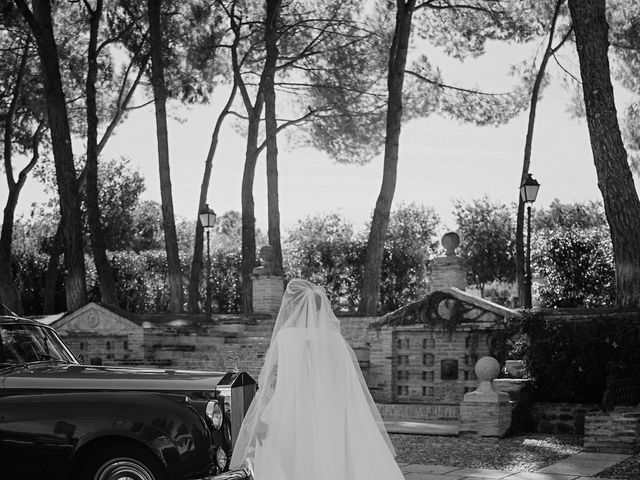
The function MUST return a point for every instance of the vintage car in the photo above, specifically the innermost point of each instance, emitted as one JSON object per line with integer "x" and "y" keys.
{"x": 60, "y": 419}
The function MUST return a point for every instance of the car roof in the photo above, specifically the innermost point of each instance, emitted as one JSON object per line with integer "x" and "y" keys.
{"x": 6, "y": 319}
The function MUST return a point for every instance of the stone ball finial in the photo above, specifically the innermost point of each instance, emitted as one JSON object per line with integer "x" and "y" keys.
{"x": 450, "y": 241}
{"x": 487, "y": 369}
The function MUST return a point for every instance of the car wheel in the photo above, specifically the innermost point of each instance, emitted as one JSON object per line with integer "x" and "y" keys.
{"x": 121, "y": 463}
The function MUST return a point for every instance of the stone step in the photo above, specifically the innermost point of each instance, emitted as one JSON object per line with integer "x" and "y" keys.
{"x": 246, "y": 340}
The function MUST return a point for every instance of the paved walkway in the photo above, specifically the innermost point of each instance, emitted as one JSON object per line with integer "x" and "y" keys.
{"x": 582, "y": 466}
{"x": 423, "y": 427}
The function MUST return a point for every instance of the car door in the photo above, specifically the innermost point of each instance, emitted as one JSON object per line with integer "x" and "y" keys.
{"x": 33, "y": 444}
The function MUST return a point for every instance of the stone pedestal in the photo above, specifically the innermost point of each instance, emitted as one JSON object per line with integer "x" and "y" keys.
{"x": 267, "y": 293}
{"x": 485, "y": 412}
{"x": 448, "y": 272}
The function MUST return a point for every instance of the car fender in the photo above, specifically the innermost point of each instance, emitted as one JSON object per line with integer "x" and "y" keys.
{"x": 165, "y": 423}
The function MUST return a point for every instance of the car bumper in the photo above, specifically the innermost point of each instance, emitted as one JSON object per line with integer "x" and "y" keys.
{"x": 242, "y": 474}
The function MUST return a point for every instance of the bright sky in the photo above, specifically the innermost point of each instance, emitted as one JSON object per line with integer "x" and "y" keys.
{"x": 440, "y": 159}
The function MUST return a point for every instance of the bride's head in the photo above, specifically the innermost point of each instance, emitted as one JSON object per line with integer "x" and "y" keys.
{"x": 305, "y": 305}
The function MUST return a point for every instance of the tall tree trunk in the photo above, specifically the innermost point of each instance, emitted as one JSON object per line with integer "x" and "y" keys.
{"x": 107, "y": 283}
{"x": 248, "y": 209}
{"x": 9, "y": 294}
{"x": 8, "y": 289}
{"x": 6, "y": 236}
{"x": 160, "y": 99}
{"x": 51, "y": 276}
{"x": 56, "y": 247}
{"x": 375, "y": 246}
{"x": 535, "y": 94}
{"x": 196, "y": 262}
{"x": 254, "y": 113}
{"x": 271, "y": 126}
{"x": 615, "y": 181}
{"x": 40, "y": 23}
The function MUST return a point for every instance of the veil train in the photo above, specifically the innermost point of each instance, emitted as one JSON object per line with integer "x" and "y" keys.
{"x": 313, "y": 416}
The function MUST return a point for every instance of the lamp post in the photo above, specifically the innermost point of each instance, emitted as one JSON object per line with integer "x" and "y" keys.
{"x": 528, "y": 193}
{"x": 208, "y": 220}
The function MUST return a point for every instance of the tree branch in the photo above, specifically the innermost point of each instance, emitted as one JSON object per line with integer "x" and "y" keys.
{"x": 35, "y": 143}
{"x": 578, "y": 81}
{"x": 451, "y": 87}
{"x": 287, "y": 124}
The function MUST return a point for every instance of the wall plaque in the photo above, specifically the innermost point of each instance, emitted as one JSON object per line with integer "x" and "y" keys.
{"x": 449, "y": 369}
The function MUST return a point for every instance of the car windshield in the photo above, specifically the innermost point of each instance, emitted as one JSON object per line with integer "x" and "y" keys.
{"x": 26, "y": 343}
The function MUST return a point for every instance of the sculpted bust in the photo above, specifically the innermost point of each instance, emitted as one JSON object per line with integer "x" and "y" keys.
{"x": 267, "y": 264}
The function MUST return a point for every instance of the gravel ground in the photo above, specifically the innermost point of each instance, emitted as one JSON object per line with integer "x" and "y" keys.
{"x": 521, "y": 453}
{"x": 627, "y": 470}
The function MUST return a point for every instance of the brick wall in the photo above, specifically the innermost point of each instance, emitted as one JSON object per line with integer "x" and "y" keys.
{"x": 414, "y": 411}
{"x": 425, "y": 366}
{"x": 562, "y": 418}
{"x": 355, "y": 330}
{"x": 613, "y": 432}
{"x": 204, "y": 348}
{"x": 401, "y": 365}
{"x": 105, "y": 348}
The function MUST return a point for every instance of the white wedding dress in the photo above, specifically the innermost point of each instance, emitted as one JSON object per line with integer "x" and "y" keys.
{"x": 313, "y": 417}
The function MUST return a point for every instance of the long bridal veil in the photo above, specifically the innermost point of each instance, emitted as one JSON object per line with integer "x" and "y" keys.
{"x": 313, "y": 416}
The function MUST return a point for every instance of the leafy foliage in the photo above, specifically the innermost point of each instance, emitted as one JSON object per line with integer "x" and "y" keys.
{"x": 119, "y": 190}
{"x": 574, "y": 255}
{"x": 28, "y": 272}
{"x": 569, "y": 216}
{"x": 569, "y": 361}
{"x": 411, "y": 243}
{"x": 325, "y": 250}
{"x": 578, "y": 268}
{"x": 625, "y": 40}
{"x": 141, "y": 278}
{"x": 487, "y": 245}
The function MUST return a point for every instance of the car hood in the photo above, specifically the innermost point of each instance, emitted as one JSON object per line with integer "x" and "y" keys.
{"x": 65, "y": 377}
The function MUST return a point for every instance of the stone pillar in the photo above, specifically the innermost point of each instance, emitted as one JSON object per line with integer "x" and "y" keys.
{"x": 267, "y": 284}
{"x": 267, "y": 293}
{"x": 485, "y": 412}
{"x": 449, "y": 271}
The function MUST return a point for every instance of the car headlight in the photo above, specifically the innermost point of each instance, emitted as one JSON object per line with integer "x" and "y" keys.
{"x": 214, "y": 413}
{"x": 221, "y": 459}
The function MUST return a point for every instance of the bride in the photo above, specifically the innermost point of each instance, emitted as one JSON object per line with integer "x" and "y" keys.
{"x": 313, "y": 416}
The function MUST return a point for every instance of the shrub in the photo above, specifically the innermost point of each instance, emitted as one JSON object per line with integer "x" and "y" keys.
{"x": 578, "y": 268}
{"x": 568, "y": 360}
